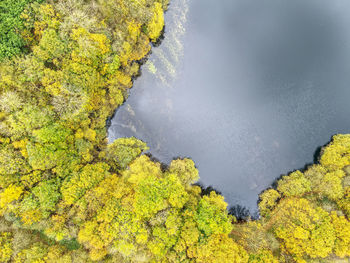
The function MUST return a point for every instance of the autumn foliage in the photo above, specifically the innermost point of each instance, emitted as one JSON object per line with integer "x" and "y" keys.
{"x": 67, "y": 195}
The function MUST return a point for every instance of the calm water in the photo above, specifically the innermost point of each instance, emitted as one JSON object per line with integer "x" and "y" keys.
{"x": 247, "y": 88}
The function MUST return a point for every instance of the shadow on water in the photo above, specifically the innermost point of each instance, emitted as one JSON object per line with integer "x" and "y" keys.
{"x": 243, "y": 213}
{"x": 163, "y": 166}
{"x": 160, "y": 39}
{"x": 207, "y": 190}
{"x": 240, "y": 212}
{"x": 317, "y": 156}
{"x": 316, "y": 160}
{"x": 318, "y": 152}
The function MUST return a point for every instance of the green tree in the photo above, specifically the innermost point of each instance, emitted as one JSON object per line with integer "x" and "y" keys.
{"x": 11, "y": 25}
{"x": 211, "y": 215}
{"x": 76, "y": 185}
{"x": 52, "y": 146}
{"x": 123, "y": 151}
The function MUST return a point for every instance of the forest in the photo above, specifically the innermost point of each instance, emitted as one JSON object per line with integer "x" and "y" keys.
{"x": 67, "y": 195}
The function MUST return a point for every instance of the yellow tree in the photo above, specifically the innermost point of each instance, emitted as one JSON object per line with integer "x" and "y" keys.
{"x": 305, "y": 231}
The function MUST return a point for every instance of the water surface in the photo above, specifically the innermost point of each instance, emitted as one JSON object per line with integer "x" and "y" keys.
{"x": 247, "y": 88}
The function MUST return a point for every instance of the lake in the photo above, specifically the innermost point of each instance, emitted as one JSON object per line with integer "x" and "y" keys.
{"x": 249, "y": 89}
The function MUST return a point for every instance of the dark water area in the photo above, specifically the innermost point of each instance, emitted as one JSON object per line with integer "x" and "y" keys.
{"x": 246, "y": 88}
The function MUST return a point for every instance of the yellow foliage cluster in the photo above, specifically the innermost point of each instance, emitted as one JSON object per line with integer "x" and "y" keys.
{"x": 143, "y": 209}
{"x": 9, "y": 195}
{"x": 5, "y": 246}
{"x": 342, "y": 230}
{"x": 337, "y": 154}
{"x": 155, "y": 26}
{"x": 305, "y": 231}
{"x": 221, "y": 249}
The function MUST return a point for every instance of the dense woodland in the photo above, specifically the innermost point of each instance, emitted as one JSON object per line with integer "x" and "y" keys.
{"x": 66, "y": 195}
